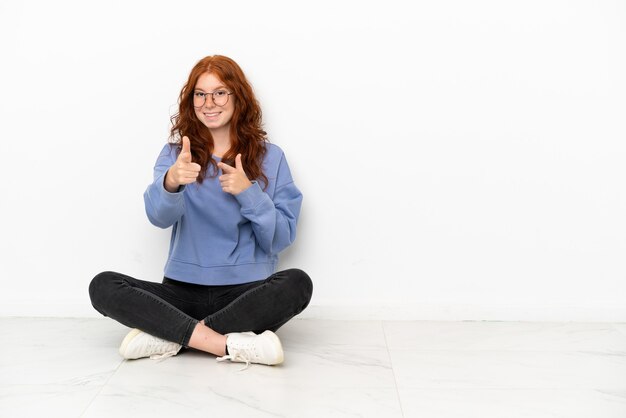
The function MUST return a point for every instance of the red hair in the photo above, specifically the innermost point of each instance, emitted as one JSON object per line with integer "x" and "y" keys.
{"x": 246, "y": 134}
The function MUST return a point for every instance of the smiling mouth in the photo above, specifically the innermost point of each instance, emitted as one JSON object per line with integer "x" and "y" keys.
{"x": 211, "y": 115}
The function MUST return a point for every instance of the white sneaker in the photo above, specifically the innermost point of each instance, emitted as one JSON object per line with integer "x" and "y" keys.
{"x": 138, "y": 344}
{"x": 248, "y": 347}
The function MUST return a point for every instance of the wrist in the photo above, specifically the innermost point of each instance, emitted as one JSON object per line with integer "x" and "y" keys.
{"x": 246, "y": 187}
{"x": 169, "y": 185}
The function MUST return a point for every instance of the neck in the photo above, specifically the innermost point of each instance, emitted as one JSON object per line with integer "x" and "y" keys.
{"x": 221, "y": 141}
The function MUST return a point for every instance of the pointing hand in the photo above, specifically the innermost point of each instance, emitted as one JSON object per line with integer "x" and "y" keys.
{"x": 234, "y": 179}
{"x": 183, "y": 171}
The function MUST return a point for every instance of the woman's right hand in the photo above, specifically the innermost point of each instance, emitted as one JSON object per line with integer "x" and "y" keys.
{"x": 183, "y": 171}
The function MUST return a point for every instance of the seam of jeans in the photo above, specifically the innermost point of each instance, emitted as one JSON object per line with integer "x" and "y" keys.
{"x": 240, "y": 297}
{"x": 153, "y": 297}
{"x": 187, "y": 335}
{"x": 188, "y": 301}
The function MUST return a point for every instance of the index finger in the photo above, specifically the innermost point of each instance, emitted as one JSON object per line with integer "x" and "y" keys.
{"x": 226, "y": 168}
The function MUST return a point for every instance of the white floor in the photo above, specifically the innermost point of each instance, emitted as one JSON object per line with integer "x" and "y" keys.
{"x": 71, "y": 368}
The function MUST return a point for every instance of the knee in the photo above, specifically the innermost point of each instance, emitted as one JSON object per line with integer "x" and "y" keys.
{"x": 303, "y": 285}
{"x": 100, "y": 288}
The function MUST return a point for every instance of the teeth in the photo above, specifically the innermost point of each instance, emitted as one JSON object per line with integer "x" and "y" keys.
{"x": 212, "y": 114}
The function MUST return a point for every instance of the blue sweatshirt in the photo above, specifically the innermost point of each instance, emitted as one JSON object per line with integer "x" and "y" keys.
{"x": 218, "y": 238}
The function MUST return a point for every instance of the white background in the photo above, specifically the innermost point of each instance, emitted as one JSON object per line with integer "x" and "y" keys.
{"x": 459, "y": 160}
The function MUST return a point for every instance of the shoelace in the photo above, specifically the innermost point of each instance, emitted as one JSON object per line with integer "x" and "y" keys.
{"x": 163, "y": 356}
{"x": 156, "y": 344}
{"x": 237, "y": 357}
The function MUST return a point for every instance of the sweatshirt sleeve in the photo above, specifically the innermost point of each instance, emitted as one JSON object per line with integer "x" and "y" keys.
{"x": 274, "y": 218}
{"x": 162, "y": 207}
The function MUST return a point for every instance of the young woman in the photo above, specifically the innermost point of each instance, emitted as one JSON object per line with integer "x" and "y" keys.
{"x": 233, "y": 206}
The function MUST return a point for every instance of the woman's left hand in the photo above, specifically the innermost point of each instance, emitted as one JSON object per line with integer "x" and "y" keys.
{"x": 233, "y": 179}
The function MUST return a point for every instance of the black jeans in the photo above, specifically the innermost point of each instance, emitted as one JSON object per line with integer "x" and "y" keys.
{"x": 171, "y": 310}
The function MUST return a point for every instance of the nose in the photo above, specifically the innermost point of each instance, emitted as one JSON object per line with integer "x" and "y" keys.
{"x": 208, "y": 102}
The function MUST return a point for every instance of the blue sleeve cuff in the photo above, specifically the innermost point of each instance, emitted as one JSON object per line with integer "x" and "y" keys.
{"x": 252, "y": 197}
{"x": 163, "y": 193}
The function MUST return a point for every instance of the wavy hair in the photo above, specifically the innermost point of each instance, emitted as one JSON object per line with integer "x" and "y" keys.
{"x": 246, "y": 134}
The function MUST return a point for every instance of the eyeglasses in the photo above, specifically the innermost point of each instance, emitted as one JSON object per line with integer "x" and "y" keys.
{"x": 219, "y": 97}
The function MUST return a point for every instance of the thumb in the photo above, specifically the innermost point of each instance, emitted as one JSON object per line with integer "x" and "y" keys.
{"x": 185, "y": 154}
{"x": 238, "y": 164}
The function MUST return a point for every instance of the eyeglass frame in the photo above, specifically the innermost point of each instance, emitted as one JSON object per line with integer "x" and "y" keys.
{"x": 212, "y": 93}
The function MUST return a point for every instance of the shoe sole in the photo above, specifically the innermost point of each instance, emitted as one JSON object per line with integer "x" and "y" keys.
{"x": 129, "y": 337}
{"x": 280, "y": 357}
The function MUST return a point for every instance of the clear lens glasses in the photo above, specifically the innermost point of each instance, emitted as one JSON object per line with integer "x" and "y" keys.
{"x": 219, "y": 97}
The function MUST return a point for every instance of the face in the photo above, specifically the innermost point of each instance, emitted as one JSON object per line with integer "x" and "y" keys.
{"x": 216, "y": 118}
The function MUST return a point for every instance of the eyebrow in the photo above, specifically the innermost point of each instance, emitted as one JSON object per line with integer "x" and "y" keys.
{"x": 216, "y": 88}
